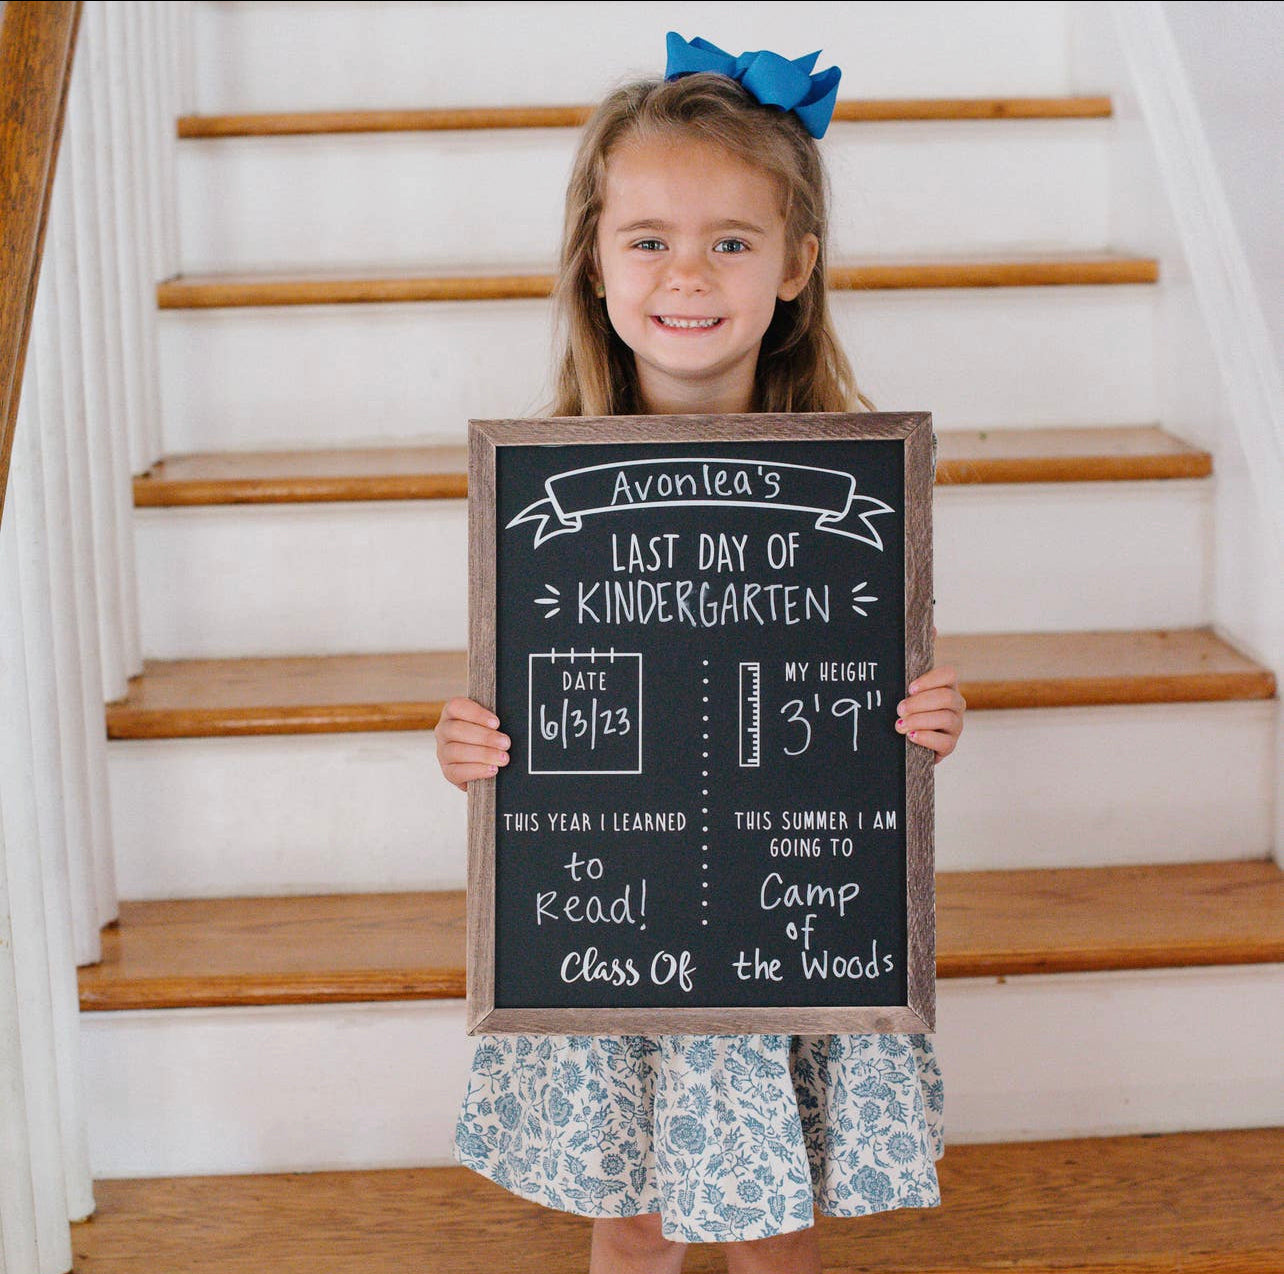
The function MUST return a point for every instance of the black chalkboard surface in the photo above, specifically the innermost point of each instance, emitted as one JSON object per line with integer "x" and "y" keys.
{"x": 695, "y": 630}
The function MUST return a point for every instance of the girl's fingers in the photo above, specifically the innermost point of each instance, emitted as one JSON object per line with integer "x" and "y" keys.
{"x": 461, "y": 753}
{"x": 467, "y": 732}
{"x": 461, "y": 709}
{"x": 938, "y": 741}
{"x": 944, "y": 675}
{"x": 462, "y": 775}
{"x": 931, "y": 714}
{"x": 927, "y": 700}
{"x": 469, "y": 744}
{"x": 948, "y": 722}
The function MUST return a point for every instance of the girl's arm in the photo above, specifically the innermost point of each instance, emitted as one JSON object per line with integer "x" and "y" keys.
{"x": 469, "y": 744}
{"x": 932, "y": 713}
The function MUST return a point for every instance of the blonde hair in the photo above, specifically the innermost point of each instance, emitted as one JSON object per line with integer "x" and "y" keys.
{"x": 801, "y": 366}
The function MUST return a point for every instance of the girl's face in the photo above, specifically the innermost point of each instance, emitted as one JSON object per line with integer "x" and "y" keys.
{"x": 691, "y": 247}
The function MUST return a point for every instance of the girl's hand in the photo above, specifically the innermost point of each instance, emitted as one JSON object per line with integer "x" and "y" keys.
{"x": 932, "y": 714}
{"x": 469, "y": 744}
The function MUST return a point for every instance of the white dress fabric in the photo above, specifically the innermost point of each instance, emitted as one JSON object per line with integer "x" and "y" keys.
{"x": 728, "y": 1137}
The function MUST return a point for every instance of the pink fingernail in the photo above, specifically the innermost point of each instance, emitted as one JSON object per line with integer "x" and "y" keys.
{"x": 493, "y": 769}
{"x": 913, "y": 734}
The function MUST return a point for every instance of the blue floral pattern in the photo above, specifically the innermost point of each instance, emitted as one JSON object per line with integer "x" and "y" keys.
{"x": 728, "y": 1137}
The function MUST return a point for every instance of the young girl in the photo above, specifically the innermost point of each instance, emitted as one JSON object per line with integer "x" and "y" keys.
{"x": 693, "y": 281}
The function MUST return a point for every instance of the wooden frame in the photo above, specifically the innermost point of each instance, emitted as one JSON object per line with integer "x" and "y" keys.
{"x": 486, "y": 437}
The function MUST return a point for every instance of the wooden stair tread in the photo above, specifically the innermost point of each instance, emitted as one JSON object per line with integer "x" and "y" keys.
{"x": 422, "y": 472}
{"x": 1076, "y": 919}
{"x": 1070, "y": 454}
{"x": 193, "y": 698}
{"x": 409, "y": 946}
{"x": 1056, "y": 670}
{"x": 438, "y": 472}
{"x": 1177, "y": 1203}
{"x": 300, "y": 949}
{"x": 868, "y": 110}
{"x": 336, "y": 287}
{"x": 303, "y": 694}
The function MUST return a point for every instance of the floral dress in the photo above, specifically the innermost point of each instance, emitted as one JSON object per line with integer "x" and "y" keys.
{"x": 728, "y": 1137}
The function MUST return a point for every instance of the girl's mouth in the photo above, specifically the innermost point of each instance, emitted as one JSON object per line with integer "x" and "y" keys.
{"x": 676, "y": 323}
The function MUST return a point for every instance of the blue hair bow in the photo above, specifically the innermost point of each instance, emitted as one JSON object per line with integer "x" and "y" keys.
{"x": 771, "y": 79}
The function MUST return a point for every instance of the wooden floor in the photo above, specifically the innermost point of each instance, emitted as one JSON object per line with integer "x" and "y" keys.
{"x": 287, "y": 694}
{"x": 862, "y": 110}
{"x": 336, "y": 286}
{"x": 440, "y": 472}
{"x": 191, "y": 952}
{"x": 1187, "y": 1203}
{"x": 184, "y": 698}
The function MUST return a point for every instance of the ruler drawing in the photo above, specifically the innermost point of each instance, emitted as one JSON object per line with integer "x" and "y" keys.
{"x": 750, "y": 714}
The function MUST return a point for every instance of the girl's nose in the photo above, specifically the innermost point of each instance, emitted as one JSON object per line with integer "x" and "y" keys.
{"x": 687, "y": 273}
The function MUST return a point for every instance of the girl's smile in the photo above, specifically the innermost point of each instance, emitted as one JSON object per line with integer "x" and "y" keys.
{"x": 692, "y": 253}
{"x": 672, "y": 321}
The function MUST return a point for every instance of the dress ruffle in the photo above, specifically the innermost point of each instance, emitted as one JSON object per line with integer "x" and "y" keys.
{"x": 728, "y": 1137}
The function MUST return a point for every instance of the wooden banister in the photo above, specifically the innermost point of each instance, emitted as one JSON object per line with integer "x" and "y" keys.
{"x": 37, "y": 41}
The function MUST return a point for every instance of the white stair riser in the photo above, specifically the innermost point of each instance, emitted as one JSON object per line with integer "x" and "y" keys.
{"x": 1049, "y": 557}
{"x": 257, "y": 57}
{"x": 1104, "y": 1054}
{"x": 330, "y": 375}
{"x": 392, "y": 575}
{"x": 303, "y": 579}
{"x": 300, "y": 1088}
{"x": 284, "y": 814}
{"x": 1094, "y": 786}
{"x": 492, "y": 201}
{"x": 1053, "y": 787}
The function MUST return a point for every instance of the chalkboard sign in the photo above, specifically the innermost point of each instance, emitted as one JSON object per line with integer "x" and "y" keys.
{"x": 695, "y": 630}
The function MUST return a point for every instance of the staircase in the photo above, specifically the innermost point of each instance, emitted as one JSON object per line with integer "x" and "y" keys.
{"x": 369, "y": 198}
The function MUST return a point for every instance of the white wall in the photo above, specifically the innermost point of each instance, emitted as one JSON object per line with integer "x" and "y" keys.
{"x": 1223, "y": 50}
{"x": 1231, "y": 52}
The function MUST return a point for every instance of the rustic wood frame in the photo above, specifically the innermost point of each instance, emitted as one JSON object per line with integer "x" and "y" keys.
{"x": 919, "y": 1011}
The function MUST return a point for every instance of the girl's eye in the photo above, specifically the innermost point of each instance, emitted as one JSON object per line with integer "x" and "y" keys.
{"x": 649, "y": 245}
{"x": 731, "y": 245}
